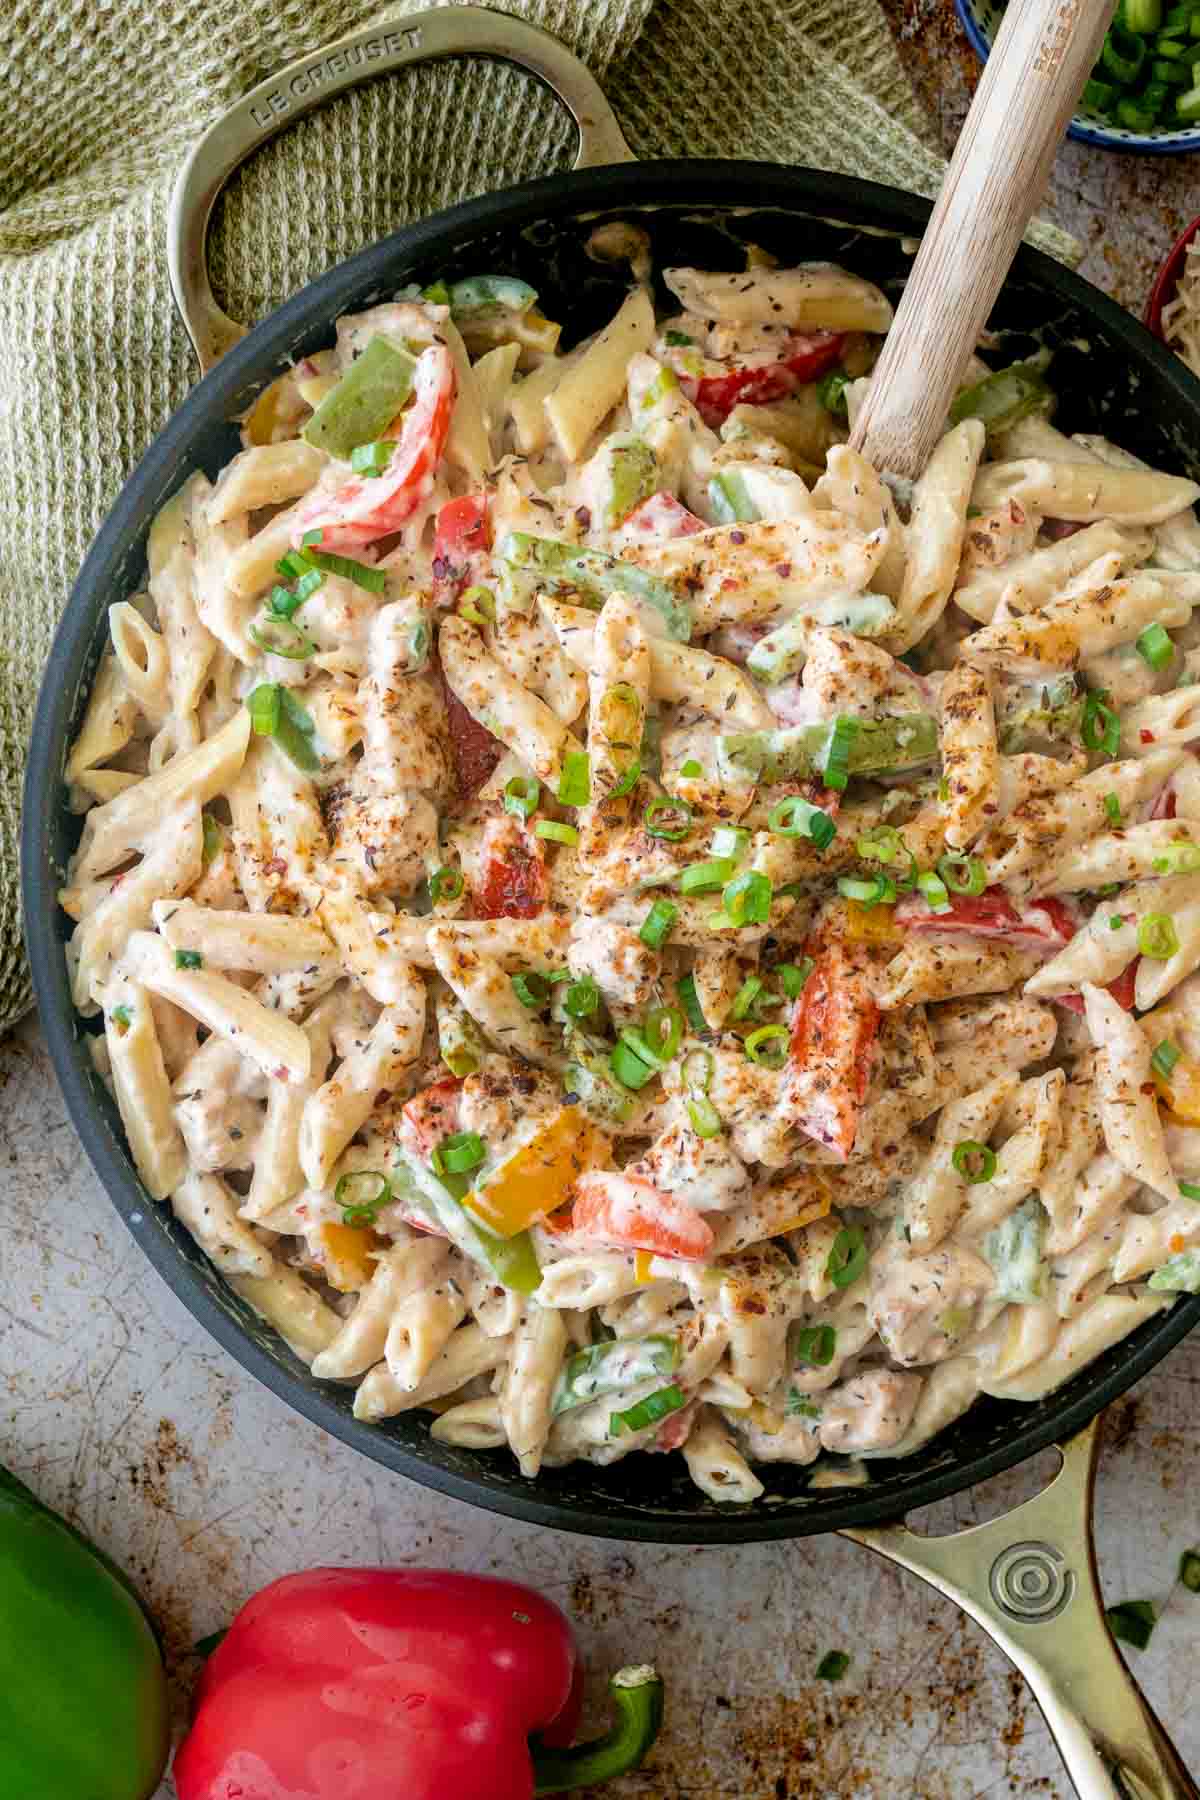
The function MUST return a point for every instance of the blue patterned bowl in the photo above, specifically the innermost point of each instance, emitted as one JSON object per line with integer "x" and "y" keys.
{"x": 981, "y": 20}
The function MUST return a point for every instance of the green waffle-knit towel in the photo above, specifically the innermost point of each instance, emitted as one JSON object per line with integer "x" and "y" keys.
{"x": 100, "y": 100}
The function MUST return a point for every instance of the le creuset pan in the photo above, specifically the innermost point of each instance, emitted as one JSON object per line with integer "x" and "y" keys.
{"x": 1028, "y": 1578}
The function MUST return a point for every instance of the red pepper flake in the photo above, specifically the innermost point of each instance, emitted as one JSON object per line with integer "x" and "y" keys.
{"x": 1147, "y": 737}
{"x": 783, "y": 570}
{"x": 281, "y": 1073}
{"x": 737, "y": 537}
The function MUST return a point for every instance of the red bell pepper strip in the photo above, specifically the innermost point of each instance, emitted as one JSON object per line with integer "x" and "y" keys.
{"x": 806, "y": 358}
{"x": 512, "y": 883}
{"x": 476, "y": 752}
{"x": 627, "y": 1212}
{"x": 430, "y": 1116}
{"x": 402, "y": 1684}
{"x": 1042, "y": 925}
{"x": 834, "y": 1028}
{"x": 659, "y": 517}
{"x": 367, "y": 507}
{"x": 1122, "y": 991}
{"x": 462, "y": 539}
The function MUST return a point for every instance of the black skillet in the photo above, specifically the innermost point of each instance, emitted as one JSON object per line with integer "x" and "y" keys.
{"x": 1028, "y": 1578}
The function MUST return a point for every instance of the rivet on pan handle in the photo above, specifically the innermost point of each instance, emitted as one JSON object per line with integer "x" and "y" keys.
{"x": 1030, "y": 1580}
{"x": 394, "y": 43}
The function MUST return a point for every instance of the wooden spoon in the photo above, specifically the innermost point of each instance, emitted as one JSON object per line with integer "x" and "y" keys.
{"x": 1042, "y": 56}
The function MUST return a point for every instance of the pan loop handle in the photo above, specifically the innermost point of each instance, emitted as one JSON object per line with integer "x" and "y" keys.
{"x": 1029, "y": 1578}
{"x": 394, "y": 42}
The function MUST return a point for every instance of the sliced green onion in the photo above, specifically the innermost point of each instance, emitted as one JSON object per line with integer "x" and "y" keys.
{"x": 747, "y": 996}
{"x": 372, "y": 459}
{"x": 796, "y": 817}
{"x": 1116, "y": 921}
{"x": 628, "y": 1066}
{"x": 1189, "y": 1570}
{"x": 530, "y": 988}
{"x": 649, "y": 1411}
{"x": 561, "y": 834}
{"x": 121, "y": 1018}
{"x": 1133, "y": 1621}
{"x": 706, "y": 1120}
{"x": 691, "y": 1003}
{"x": 706, "y": 877}
{"x": 213, "y": 836}
{"x": 373, "y": 580}
{"x": 974, "y": 1161}
{"x": 1187, "y": 107}
{"x": 1100, "y": 728}
{"x": 459, "y": 1153}
{"x": 1099, "y": 96}
{"x": 815, "y": 1345}
{"x": 582, "y": 997}
{"x": 575, "y": 786}
{"x": 1154, "y": 646}
{"x": 1165, "y": 1056}
{"x": 1157, "y": 937}
{"x": 1178, "y": 859}
{"x": 293, "y": 564}
{"x": 1141, "y": 16}
{"x": 446, "y": 883}
{"x": 698, "y": 1069}
{"x": 847, "y": 1257}
{"x": 1112, "y": 808}
{"x": 691, "y": 769}
{"x": 747, "y": 898}
{"x": 478, "y": 604}
{"x": 962, "y": 874}
{"x": 1123, "y": 55}
{"x": 628, "y": 781}
{"x": 189, "y": 959}
{"x": 1189, "y": 1190}
{"x": 836, "y": 772}
{"x": 521, "y": 796}
{"x": 658, "y": 923}
{"x": 677, "y": 339}
{"x": 1133, "y": 116}
{"x": 831, "y": 391}
{"x": 660, "y": 1037}
{"x": 274, "y": 713}
{"x": 798, "y": 1406}
{"x": 665, "y": 806}
{"x": 730, "y": 840}
{"x": 879, "y": 890}
{"x": 361, "y": 1194}
{"x": 936, "y": 893}
{"x": 279, "y": 636}
{"x": 833, "y": 1665}
{"x": 767, "y": 1046}
{"x": 792, "y": 976}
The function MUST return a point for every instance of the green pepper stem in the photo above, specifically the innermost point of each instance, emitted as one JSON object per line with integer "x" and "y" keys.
{"x": 637, "y": 1696}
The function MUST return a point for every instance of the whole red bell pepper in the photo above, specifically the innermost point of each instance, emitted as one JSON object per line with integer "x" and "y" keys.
{"x": 402, "y": 1684}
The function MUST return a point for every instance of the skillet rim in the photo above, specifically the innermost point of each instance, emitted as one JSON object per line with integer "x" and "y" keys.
{"x": 712, "y": 183}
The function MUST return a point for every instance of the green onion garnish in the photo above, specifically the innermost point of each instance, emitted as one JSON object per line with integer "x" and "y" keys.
{"x": 962, "y": 874}
{"x": 706, "y": 1120}
{"x": 706, "y": 877}
{"x": 747, "y": 996}
{"x": 974, "y": 1161}
{"x": 936, "y": 893}
{"x": 628, "y": 781}
{"x": 629, "y": 1068}
{"x": 878, "y": 890}
{"x": 478, "y": 604}
{"x": 1178, "y": 859}
{"x": 1189, "y": 1190}
{"x": 521, "y": 796}
{"x": 361, "y": 1194}
{"x": 1189, "y": 1570}
{"x": 575, "y": 786}
{"x": 372, "y": 459}
{"x": 530, "y": 988}
{"x": 1100, "y": 728}
{"x": 582, "y": 997}
{"x": 561, "y": 834}
{"x": 294, "y": 565}
{"x": 1154, "y": 646}
{"x": 691, "y": 1003}
{"x": 1165, "y": 1056}
{"x": 767, "y": 1046}
{"x": 691, "y": 769}
{"x": 815, "y": 1345}
{"x": 795, "y": 817}
{"x": 373, "y": 580}
{"x": 189, "y": 959}
{"x": 833, "y": 1665}
{"x": 1112, "y": 808}
{"x": 730, "y": 840}
{"x": 649, "y": 1411}
{"x": 1133, "y": 1621}
{"x": 459, "y": 1153}
{"x": 796, "y": 1405}
{"x": 665, "y": 806}
{"x": 275, "y": 714}
{"x": 280, "y": 636}
{"x": 831, "y": 392}
{"x": 659, "y": 1039}
{"x": 792, "y": 976}
{"x": 836, "y": 773}
{"x": 1157, "y": 937}
{"x": 446, "y": 883}
{"x": 657, "y": 924}
{"x": 847, "y": 1257}
{"x": 747, "y": 898}
{"x": 121, "y": 1018}
{"x": 677, "y": 339}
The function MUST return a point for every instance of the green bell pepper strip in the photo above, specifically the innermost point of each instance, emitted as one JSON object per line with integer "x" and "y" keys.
{"x": 364, "y": 402}
{"x": 1033, "y": 727}
{"x": 1003, "y": 398}
{"x": 907, "y": 741}
{"x": 631, "y": 475}
{"x": 637, "y": 1695}
{"x": 728, "y": 500}
{"x": 551, "y": 563}
{"x": 1014, "y": 1248}
{"x": 785, "y": 649}
{"x": 512, "y": 1261}
{"x": 1181, "y": 1275}
{"x": 476, "y": 294}
{"x": 83, "y": 1696}
{"x": 609, "y": 1368}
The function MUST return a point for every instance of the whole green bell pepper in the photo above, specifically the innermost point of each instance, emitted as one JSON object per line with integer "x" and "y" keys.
{"x": 83, "y": 1695}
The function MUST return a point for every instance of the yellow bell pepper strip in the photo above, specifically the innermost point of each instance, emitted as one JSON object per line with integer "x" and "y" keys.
{"x": 538, "y": 1177}
{"x": 83, "y": 1696}
{"x": 348, "y": 1255}
{"x": 871, "y": 924}
{"x": 1177, "y": 1078}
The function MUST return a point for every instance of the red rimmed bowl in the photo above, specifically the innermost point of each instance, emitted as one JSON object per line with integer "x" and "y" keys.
{"x": 1167, "y": 280}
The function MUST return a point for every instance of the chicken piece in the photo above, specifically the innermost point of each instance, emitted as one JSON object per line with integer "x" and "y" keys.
{"x": 921, "y": 1305}
{"x": 705, "y": 1170}
{"x": 871, "y": 1411}
{"x": 623, "y": 968}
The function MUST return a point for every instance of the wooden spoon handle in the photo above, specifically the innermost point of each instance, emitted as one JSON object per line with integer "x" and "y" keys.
{"x": 1031, "y": 83}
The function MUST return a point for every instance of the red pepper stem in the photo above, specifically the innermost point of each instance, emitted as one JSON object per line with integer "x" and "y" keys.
{"x": 637, "y": 1695}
